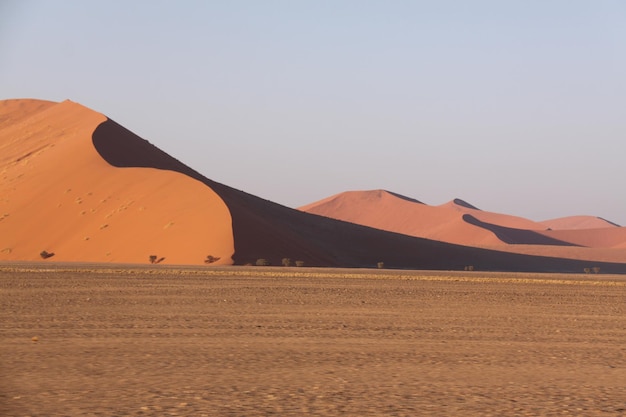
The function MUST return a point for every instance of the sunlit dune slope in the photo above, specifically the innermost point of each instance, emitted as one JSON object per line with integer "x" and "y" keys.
{"x": 607, "y": 237}
{"x": 57, "y": 194}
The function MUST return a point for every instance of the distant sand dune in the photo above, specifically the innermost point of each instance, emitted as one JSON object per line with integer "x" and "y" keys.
{"x": 578, "y": 222}
{"x": 462, "y": 223}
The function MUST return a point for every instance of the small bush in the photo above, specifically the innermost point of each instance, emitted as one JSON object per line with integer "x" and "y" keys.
{"x": 286, "y": 262}
{"x": 469, "y": 267}
{"x": 45, "y": 254}
{"x": 299, "y": 264}
{"x": 380, "y": 265}
{"x": 587, "y": 270}
{"x": 262, "y": 262}
{"x": 155, "y": 259}
{"x": 596, "y": 269}
{"x": 210, "y": 259}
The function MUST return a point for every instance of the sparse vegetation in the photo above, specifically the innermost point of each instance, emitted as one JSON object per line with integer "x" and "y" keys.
{"x": 469, "y": 268}
{"x": 210, "y": 259}
{"x": 380, "y": 265}
{"x": 299, "y": 264}
{"x": 45, "y": 254}
{"x": 596, "y": 269}
{"x": 262, "y": 262}
{"x": 286, "y": 262}
{"x": 155, "y": 259}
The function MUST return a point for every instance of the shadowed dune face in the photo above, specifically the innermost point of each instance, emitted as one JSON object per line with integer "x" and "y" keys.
{"x": 465, "y": 204}
{"x": 263, "y": 229}
{"x": 59, "y": 195}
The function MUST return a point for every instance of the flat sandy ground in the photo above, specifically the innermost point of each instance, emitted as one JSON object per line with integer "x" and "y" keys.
{"x": 288, "y": 342}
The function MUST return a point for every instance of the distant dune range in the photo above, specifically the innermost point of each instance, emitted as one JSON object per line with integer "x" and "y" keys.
{"x": 79, "y": 185}
{"x": 575, "y": 237}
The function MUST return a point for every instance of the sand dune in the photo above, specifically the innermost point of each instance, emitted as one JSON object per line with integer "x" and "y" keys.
{"x": 389, "y": 211}
{"x": 462, "y": 223}
{"x": 61, "y": 196}
{"x": 80, "y": 185}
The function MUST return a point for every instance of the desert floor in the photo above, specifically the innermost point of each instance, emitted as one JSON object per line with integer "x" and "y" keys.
{"x": 138, "y": 341}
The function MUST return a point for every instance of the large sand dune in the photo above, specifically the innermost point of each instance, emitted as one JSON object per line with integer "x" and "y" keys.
{"x": 79, "y": 185}
{"x": 59, "y": 195}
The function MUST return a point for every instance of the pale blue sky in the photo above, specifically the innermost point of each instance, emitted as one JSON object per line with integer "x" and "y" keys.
{"x": 514, "y": 106}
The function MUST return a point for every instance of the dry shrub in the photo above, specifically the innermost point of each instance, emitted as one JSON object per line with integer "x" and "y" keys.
{"x": 155, "y": 259}
{"x": 210, "y": 259}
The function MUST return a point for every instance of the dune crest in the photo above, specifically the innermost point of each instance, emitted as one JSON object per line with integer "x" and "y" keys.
{"x": 578, "y": 223}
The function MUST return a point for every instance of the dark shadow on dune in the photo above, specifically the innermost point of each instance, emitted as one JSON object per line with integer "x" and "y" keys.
{"x": 403, "y": 197}
{"x": 516, "y": 236}
{"x": 263, "y": 229}
{"x": 463, "y": 203}
{"x": 609, "y": 222}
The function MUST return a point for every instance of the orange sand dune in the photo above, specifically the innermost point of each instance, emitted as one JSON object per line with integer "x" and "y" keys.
{"x": 461, "y": 223}
{"x": 388, "y": 211}
{"x": 577, "y": 222}
{"x": 59, "y": 195}
{"x": 80, "y": 185}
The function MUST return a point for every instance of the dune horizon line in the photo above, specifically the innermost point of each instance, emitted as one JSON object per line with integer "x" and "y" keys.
{"x": 81, "y": 186}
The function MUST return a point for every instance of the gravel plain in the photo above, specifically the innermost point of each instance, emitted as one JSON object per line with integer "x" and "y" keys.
{"x": 147, "y": 341}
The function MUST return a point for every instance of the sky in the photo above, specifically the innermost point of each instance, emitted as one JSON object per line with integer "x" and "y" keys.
{"x": 516, "y": 107}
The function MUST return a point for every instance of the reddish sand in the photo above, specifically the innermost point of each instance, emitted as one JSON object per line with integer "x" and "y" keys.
{"x": 383, "y": 210}
{"x": 461, "y": 223}
{"x": 59, "y": 195}
{"x": 388, "y": 211}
